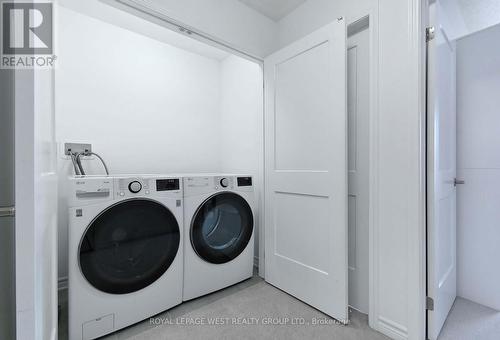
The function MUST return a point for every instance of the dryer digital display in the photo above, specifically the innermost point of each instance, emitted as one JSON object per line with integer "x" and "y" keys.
{"x": 244, "y": 181}
{"x": 167, "y": 184}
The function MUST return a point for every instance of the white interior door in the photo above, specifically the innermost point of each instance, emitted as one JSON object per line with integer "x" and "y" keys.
{"x": 306, "y": 170}
{"x": 441, "y": 173}
{"x": 358, "y": 107}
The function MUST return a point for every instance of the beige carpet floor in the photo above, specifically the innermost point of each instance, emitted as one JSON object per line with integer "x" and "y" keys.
{"x": 252, "y": 309}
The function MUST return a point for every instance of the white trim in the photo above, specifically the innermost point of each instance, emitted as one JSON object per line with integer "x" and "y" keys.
{"x": 373, "y": 169}
{"x": 358, "y": 24}
{"x": 415, "y": 194}
{"x": 421, "y": 322}
{"x": 417, "y": 223}
{"x": 262, "y": 201}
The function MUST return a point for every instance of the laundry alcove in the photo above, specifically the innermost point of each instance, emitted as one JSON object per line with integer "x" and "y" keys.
{"x": 150, "y": 101}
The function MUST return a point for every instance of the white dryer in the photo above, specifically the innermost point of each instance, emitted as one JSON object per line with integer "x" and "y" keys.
{"x": 218, "y": 232}
{"x": 125, "y": 251}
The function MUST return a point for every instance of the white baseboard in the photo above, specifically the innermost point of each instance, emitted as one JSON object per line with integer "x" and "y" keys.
{"x": 392, "y": 329}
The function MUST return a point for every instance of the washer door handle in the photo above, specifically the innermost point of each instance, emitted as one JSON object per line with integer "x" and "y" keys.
{"x": 93, "y": 194}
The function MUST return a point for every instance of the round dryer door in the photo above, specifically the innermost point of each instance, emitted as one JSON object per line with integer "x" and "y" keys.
{"x": 222, "y": 227}
{"x": 129, "y": 246}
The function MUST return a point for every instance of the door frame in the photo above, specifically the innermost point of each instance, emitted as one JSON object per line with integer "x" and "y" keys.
{"x": 25, "y": 250}
{"x": 33, "y": 87}
{"x": 415, "y": 327}
{"x": 372, "y": 17}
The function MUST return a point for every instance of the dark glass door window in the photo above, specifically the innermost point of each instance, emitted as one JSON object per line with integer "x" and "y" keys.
{"x": 129, "y": 246}
{"x": 221, "y": 228}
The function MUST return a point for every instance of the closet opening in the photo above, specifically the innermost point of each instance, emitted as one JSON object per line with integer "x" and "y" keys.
{"x": 167, "y": 101}
{"x": 358, "y": 113}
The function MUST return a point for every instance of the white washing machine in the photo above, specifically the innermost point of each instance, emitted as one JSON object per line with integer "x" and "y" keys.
{"x": 125, "y": 251}
{"x": 218, "y": 232}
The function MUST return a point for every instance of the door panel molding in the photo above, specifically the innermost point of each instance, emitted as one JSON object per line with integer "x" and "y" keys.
{"x": 306, "y": 170}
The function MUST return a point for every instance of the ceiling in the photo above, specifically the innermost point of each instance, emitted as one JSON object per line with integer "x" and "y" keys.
{"x": 479, "y": 14}
{"x": 273, "y": 9}
{"x": 465, "y": 17}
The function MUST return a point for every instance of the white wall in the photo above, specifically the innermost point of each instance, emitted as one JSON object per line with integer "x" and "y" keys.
{"x": 242, "y": 122}
{"x": 148, "y": 107}
{"x": 143, "y": 105}
{"x": 397, "y": 191}
{"x": 478, "y": 139}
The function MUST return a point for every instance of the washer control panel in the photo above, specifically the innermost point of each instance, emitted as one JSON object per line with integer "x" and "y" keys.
{"x": 132, "y": 187}
{"x": 91, "y": 189}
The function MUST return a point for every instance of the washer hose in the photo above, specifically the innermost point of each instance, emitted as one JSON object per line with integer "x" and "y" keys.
{"x": 79, "y": 163}
{"x": 75, "y": 165}
{"x": 88, "y": 153}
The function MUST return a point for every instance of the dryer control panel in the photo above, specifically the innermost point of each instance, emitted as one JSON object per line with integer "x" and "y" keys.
{"x": 205, "y": 184}
{"x": 244, "y": 181}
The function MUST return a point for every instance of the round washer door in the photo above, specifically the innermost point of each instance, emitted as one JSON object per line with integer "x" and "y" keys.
{"x": 129, "y": 246}
{"x": 222, "y": 227}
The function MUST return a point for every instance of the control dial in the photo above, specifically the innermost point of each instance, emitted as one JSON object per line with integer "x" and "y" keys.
{"x": 135, "y": 187}
{"x": 224, "y": 182}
